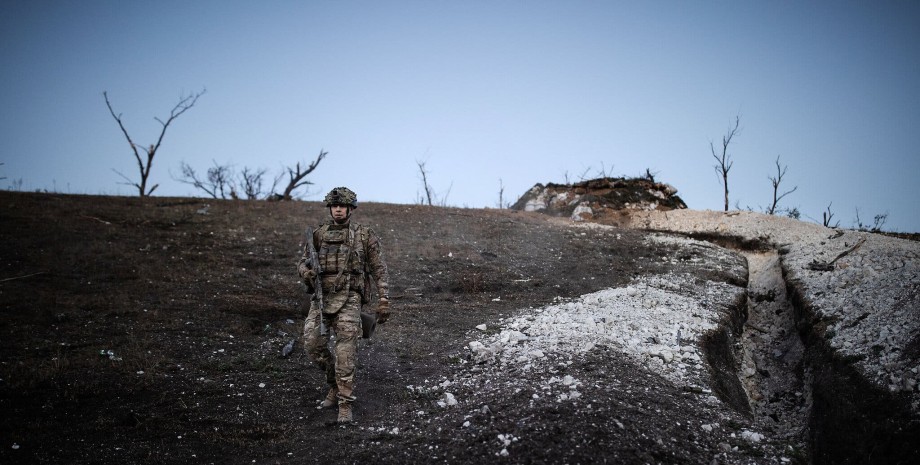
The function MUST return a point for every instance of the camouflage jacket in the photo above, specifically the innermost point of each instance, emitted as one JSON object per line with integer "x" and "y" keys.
{"x": 351, "y": 257}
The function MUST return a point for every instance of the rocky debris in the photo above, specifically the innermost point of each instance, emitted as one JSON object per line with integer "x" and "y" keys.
{"x": 649, "y": 320}
{"x": 597, "y": 198}
{"x": 288, "y": 348}
{"x": 658, "y": 321}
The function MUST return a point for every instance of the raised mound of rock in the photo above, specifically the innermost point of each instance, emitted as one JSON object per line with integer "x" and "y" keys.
{"x": 596, "y": 198}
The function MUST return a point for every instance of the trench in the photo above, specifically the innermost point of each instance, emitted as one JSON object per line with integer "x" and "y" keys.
{"x": 796, "y": 388}
{"x": 772, "y": 369}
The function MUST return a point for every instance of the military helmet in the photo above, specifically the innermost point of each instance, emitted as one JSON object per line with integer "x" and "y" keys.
{"x": 341, "y": 196}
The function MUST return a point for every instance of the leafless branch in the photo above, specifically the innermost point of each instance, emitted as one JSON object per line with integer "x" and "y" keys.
{"x": 431, "y": 197}
{"x": 21, "y": 277}
{"x": 725, "y": 160}
{"x": 604, "y": 172}
{"x": 216, "y": 183}
{"x": 296, "y": 176}
{"x": 252, "y": 181}
{"x": 828, "y": 216}
{"x": 443, "y": 201}
{"x": 776, "y": 180}
{"x": 427, "y": 187}
{"x": 878, "y": 222}
{"x": 829, "y": 266}
{"x": 144, "y": 165}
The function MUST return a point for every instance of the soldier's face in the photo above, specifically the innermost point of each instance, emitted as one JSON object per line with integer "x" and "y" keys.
{"x": 339, "y": 212}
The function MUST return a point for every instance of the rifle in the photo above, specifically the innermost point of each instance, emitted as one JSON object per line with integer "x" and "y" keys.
{"x": 313, "y": 264}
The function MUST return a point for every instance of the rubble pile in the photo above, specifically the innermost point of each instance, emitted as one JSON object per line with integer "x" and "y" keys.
{"x": 597, "y": 198}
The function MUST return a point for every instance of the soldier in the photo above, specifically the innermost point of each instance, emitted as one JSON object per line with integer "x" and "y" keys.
{"x": 350, "y": 257}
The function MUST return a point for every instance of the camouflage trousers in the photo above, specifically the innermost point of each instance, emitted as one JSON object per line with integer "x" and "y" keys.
{"x": 346, "y": 325}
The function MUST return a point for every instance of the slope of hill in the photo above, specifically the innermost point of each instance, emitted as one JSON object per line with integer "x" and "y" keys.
{"x": 150, "y": 330}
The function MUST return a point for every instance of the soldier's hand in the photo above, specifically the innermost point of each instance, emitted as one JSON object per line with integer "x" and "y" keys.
{"x": 383, "y": 310}
{"x": 305, "y": 272}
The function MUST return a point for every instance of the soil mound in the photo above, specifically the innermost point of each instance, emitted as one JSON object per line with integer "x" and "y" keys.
{"x": 596, "y": 198}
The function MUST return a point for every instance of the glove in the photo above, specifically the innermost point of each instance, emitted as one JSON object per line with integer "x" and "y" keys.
{"x": 306, "y": 273}
{"x": 383, "y": 311}
{"x": 309, "y": 277}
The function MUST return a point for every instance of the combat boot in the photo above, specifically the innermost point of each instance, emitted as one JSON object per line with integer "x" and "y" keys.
{"x": 345, "y": 412}
{"x": 331, "y": 399}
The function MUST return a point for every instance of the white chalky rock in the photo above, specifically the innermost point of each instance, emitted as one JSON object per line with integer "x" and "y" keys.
{"x": 661, "y": 352}
{"x": 481, "y": 327}
{"x": 751, "y": 436}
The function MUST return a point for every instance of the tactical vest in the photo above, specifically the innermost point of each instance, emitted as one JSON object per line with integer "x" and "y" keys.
{"x": 342, "y": 255}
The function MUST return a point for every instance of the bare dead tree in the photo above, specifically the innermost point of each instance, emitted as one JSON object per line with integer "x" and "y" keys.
{"x": 431, "y": 197}
{"x": 649, "y": 175}
{"x": 4, "y": 177}
{"x": 443, "y": 201}
{"x": 604, "y": 173}
{"x": 501, "y": 194}
{"x": 297, "y": 174}
{"x": 252, "y": 180}
{"x": 725, "y": 160}
{"x": 827, "y": 216}
{"x": 427, "y": 187}
{"x": 776, "y": 180}
{"x": 217, "y": 182}
{"x": 878, "y": 222}
{"x": 144, "y": 166}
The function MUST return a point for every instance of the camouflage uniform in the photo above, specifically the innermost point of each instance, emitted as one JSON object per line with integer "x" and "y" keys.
{"x": 350, "y": 257}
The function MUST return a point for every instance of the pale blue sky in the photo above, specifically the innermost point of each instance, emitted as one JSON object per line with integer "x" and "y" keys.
{"x": 523, "y": 91}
